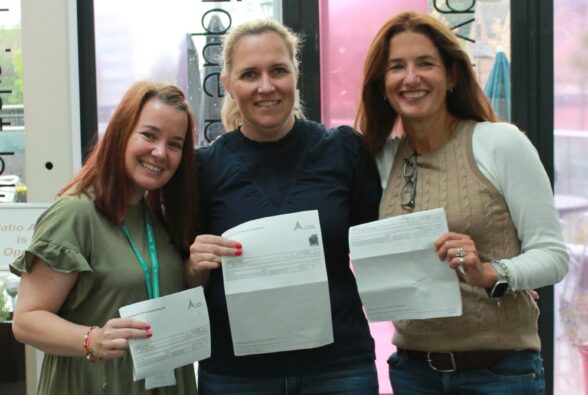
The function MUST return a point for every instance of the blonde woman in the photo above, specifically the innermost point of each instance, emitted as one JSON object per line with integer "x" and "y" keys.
{"x": 275, "y": 162}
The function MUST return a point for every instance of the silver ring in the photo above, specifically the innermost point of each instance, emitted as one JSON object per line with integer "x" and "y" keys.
{"x": 460, "y": 261}
{"x": 460, "y": 267}
{"x": 460, "y": 252}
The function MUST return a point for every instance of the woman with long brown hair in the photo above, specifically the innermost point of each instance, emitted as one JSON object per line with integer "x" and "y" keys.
{"x": 504, "y": 236}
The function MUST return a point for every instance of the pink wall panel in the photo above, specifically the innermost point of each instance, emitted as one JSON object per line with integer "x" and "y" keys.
{"x": 347, "y": 28}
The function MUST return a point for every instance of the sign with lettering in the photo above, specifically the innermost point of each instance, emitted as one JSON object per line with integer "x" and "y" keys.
{"x": 17, "y": 223}
{"x": 459, "y": 15}
{"x": 214, "y": 25}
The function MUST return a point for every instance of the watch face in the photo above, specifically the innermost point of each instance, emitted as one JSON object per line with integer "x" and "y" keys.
{"x": 499, "y": 289}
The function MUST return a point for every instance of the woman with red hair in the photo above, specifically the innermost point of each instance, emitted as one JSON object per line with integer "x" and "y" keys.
{"x": 117, "y": 235}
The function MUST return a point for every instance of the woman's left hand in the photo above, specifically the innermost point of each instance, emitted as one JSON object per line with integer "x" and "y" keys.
{"x": 462, "y": 256}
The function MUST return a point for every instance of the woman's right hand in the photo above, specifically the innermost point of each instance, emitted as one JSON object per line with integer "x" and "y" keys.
{"x": 205, "y": 255}
{"x": 112, "y": 340}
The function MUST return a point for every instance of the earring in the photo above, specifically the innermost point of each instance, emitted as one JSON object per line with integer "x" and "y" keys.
{"x": 385, "y": 98}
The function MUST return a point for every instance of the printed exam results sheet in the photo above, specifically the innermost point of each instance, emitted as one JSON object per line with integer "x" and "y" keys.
{"x": 277, "y": 292}
{"x": 181, "y": 332}
{"x": 398, "y": 271}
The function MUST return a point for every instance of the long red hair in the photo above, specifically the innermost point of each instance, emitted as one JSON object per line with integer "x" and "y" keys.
{"x": 103, "y": 176}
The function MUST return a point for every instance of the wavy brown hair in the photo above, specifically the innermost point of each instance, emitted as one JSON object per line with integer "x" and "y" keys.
{"x": 375, "y": 117}
{"x": 103, "y": 176}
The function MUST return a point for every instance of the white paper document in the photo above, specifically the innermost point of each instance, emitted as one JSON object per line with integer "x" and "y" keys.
{"x": 398, "y": 271}
{"x": 181, "y": 332}
{"x": 277, "y": 292}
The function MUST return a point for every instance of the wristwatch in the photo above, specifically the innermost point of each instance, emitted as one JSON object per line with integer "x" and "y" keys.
{"x": 501, "y": 286}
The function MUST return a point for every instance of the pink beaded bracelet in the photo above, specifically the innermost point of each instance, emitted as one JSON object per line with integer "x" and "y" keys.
{"x": 88, "y": 351}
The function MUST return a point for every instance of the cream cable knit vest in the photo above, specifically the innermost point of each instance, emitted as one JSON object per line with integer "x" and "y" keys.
{"x": 449, "y": 177}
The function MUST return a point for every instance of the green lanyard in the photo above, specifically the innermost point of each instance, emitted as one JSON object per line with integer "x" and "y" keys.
{"x": 151, "y": 279}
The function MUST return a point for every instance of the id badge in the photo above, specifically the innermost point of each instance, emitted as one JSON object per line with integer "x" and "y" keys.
{"x": 160, "y": 380}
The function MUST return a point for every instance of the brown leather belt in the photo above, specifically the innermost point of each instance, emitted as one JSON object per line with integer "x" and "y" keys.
{"x": 460, "y": 360}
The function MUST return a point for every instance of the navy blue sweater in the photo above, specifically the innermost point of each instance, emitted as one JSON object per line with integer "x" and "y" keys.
{"x": 309, "y": 169}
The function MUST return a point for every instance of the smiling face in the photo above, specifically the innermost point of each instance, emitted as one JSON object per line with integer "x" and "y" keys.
{"x": 262, "y": 81}
{"x": 154, "y": 149}
{"x": 416, "y": 80}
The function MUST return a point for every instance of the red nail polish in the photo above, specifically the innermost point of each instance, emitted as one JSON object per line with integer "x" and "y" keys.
{"x": 238, "y": 253}
{"x": 147, "y": 326}
{"x": 238, "y": 245}
{"x": 149, "y": 334}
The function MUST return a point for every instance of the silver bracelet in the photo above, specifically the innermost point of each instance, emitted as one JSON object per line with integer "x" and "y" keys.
{"x": 504, "y": 271}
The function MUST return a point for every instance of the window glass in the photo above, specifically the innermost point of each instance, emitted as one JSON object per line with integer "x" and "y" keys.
{"x": 12, "y": 152}
{"x": 12, "y": 172}
{"x": 571, "y": 192}
{"x": 346, "y": 30}
{"x": 12, "y": 189}
{"x": 348, "y": 27}
{"x": 484, "y": 29}
{"x": 177, "y": 42}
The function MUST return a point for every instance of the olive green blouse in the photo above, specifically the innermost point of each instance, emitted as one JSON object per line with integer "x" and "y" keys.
{"x": 73, "y": 236}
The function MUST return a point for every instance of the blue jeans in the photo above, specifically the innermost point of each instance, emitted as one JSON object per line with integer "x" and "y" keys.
{"x": 361, "y": 380}
{"x": 520, "y": 374}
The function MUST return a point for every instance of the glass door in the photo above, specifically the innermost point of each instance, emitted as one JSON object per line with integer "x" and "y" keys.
{"x": 571, "y": 192}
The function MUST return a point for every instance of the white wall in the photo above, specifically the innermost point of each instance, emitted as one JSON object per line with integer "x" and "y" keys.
{"x": 51, "y": 92}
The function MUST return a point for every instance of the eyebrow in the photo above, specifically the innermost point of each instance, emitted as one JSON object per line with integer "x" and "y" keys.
{"x": 422, "y": 57}
{"x": 255, "y": 68}
{"x": 156, "y": 129}
{"x": 148, "y": 126}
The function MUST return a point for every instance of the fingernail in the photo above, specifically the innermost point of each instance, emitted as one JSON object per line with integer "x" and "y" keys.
{"x": 238, "y": 253}
{"x": 147, "y": 326}
{"x": 238, "y": 245}
{"x": 149, "y": 334}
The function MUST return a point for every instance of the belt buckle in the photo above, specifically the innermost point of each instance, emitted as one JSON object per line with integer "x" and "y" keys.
{"x": 432, "y": 366}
